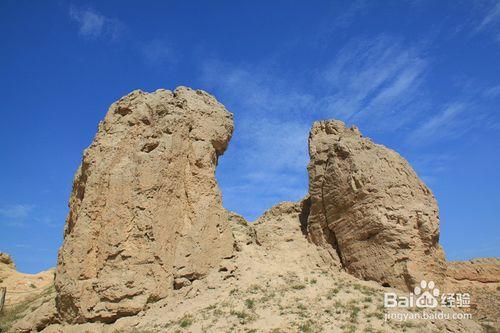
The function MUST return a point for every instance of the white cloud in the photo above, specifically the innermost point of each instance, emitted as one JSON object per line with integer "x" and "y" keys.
{"x": 93, "y": 24}
{"x": 19, "y": 211}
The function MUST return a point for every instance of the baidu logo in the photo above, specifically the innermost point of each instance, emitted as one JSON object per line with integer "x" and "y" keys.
{"x": 427, "y": 295}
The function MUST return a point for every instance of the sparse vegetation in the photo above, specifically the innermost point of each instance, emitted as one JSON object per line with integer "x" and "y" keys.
{"x": 354, "y": 313}
{"x": 254, "y": 289}
{"x": 186, "y": 321}
{"x": 298, "y": 286}
{"x": 488, "y": 328}
{"x": 332, "y": 293}
{"x": 349, "y": 328}
{"x": 268, "y": 296}
{"x": 307, "y": 326}
{"x": 243, "y": 316}
{"x": 250, "y": 303}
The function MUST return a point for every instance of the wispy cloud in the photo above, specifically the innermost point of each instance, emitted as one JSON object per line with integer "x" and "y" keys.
{"x": 347, "y": 16}
{"x": 488, "y": 21}
{"x": 378, "y": 83}
{"x": 93, "y": 25}
{"x": 15, "y": 215}
{"x": 492, "y": 92}
{"x": 18, "y": 211}
{"x": 158, "y": 52}
{"x": 491, "y": 17}
{"x": 261, "y": 89}
{"x": 445, "y": 124}
{"x": 376, "y": 79}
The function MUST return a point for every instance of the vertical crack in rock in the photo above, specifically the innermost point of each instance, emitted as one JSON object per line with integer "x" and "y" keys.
{"x": 330, "y": 233}
{"x": 305, "y": 210}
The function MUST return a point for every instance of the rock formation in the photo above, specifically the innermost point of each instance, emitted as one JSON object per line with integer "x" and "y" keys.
{"x": 369, "y": 209}
{"x": 145, "y": 211}
{"x": 149, "y": 247}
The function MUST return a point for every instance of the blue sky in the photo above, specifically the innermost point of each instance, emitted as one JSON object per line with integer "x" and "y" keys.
{"x": 421, "y": 77}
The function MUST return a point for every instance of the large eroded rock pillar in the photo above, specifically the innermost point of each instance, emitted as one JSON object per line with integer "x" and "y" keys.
{"x": 145, "y": 211}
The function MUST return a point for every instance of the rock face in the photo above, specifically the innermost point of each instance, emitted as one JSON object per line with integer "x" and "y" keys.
{"x": 145, "y": 210}
{"x": 370, "y": 211}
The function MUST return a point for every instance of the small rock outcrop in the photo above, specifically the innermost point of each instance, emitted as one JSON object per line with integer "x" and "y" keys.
{"x": 6, "y": 259}
{"x": 145, "y": 212}
{"x": 370, "y": 210}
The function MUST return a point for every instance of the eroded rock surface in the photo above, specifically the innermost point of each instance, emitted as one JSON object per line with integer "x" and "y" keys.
{"x": 370, "y": 210}
{"x": 145, "y": 211}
